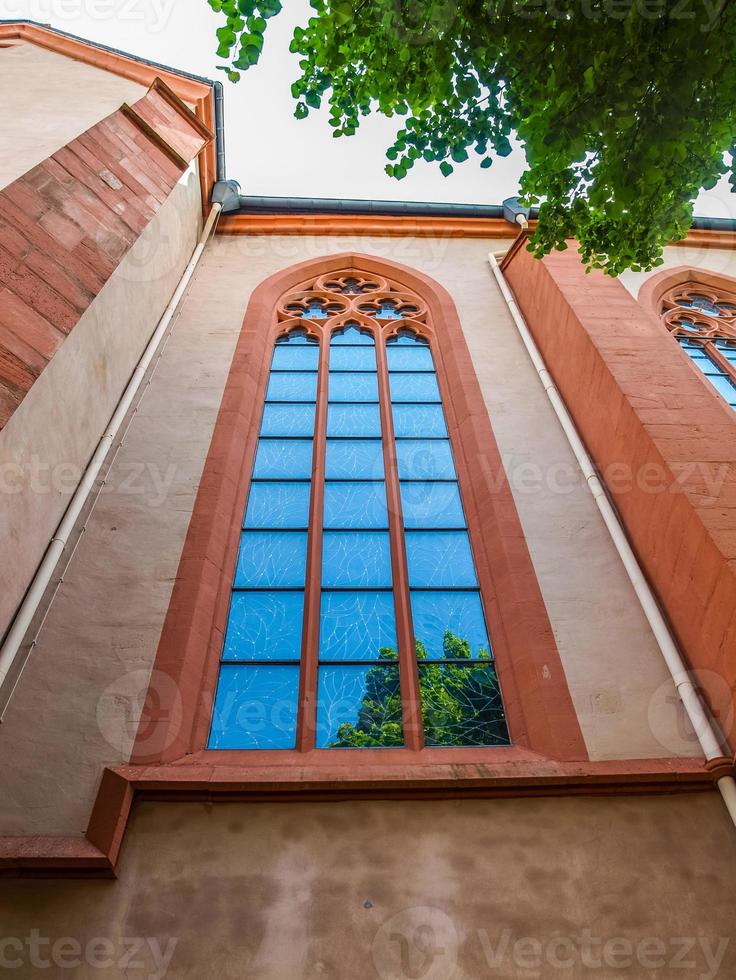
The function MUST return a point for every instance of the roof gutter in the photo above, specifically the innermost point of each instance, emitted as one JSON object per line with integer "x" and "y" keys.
{"x": 254, "y": 204}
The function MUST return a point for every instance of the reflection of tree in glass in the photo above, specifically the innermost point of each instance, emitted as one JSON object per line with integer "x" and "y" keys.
{"x": 461, "y": 703}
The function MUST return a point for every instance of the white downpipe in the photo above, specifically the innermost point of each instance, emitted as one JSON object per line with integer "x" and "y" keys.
{"x": 694, "y": 707}
{"x": 44, "y": 572}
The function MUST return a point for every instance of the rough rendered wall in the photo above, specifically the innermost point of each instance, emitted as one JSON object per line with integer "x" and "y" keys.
{"x": 99, "y": 641}
{"x": 49, "y": 439}
{"x": 716, "y": 260}
{"x": 36, "y": 117}
{"x": 535, "y": 889}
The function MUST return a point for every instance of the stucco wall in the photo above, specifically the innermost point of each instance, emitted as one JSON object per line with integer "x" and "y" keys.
{"x": 92, "y": 664}
{"x": 535, "y": 889}
{"x": 717, "y": 260}
{"x": 36, "y": 117}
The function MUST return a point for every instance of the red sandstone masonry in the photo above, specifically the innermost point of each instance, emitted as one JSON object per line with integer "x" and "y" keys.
{"x": 638, "y": 400}
{"x": 64, "y": 229}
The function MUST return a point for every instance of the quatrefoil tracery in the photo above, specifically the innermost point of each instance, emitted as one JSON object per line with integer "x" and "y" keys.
{"x": 697, "y": 311}
{"x": 350, "y": 293}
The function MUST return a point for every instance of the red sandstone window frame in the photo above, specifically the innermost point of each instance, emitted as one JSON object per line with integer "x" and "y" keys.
{"x": 176, "y": 719}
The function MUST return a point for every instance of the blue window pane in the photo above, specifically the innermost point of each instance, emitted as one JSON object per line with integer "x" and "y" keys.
{"x": 283, "y": 459}
{"x": 360, "y": 459}
{"x": 351, "y": 335}
{"x": 268, "y": 559}
{"x": 728, "y": 350}
{"x": 288, "y": 420}
{"x": 356, "y": 559}
{"x": 723, "y": 386}
{"x": 352, "y": 359}
{"x": 345, "y": 419}
{"x": 439, "y": 559}
{"x": 264, "y": 626}
{"x": 278, "y": 505}
{"x": 414, "y": 388}
{"x": 355, "y": 505}
{"x": 419, "y": 421}
{"x": 431, "y": 505}
{"x": 449, "y": 625}
{"x": 357, "y": 626}
{"x": 297, "y": 336}
{"x": 408, "y": 339}
{"x": 405, "y": 358}
{"x": 255, "y": 708}
{"x": 461, "y": 705}
{"x": 352, "y": 387}
{"x": 295, "y": 358}
{"x": 420, "y": 460}
{"x": 292, "y": 387}
{"x": 359, "y": 707}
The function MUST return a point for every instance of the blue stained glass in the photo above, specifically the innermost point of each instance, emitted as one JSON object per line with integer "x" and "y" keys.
{"x": 288, "y": 357}
{"x": 425, "y": 460}
{"x": 408, "y": 339}
{"x": 354, "y": 459}
{"x": 264, "y": 626}
{"x": 353, "y": 505}
{"x": 414, "y": 388}
{"x": 357, "y": 625}
{"x": 701, "y": 304}
{"x": 723, "y": 386}
{"x": 351, "y": 335}
{"x": 288, "y": 420}
{"x": 286, "y": 387}
{"x": 360, "y": 419}
{"x": 460, "y": 613}
{"x": 271, "y": 559}
{"x": 728, "y": 350}
{"x": 356, "y": 559}
{"x": 255, "y": 708}
{"x": 352, "y": 359}
{"x": 439, "y": 559}
{"x": 461, "y": 705}
{"x": 278, "y": 505}
{"x": 406, "y": 358}
{"x": 352, "y": 387}
{"x": 431, "y": 505}
{"x": 359, "y": 707}
{"x": 419, "y": 421}
{"x": 297, "y": 336}
{"x": 283, "y": 459}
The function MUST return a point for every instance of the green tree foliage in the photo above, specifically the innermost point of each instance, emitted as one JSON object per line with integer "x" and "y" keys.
{"x": 625, "y": 108}
{"x": 461, "y": 703}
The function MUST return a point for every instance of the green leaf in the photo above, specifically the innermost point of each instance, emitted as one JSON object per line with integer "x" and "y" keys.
{"x": 446, "y": 168}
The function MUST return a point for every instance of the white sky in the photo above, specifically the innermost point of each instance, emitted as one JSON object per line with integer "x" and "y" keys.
{"x": 267, "y": 150}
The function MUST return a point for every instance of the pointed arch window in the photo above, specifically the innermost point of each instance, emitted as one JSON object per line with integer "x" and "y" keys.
{"x": 702, "y": 319}
{"x": 356, "y": 616}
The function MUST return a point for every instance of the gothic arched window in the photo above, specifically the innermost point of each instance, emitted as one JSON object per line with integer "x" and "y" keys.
{"x": 356, "y": 616}
{"x": 702, "y": 319}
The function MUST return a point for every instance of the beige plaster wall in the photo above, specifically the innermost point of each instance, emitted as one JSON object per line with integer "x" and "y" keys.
{"x": 718, "y": 260}
{"x": 36, "y": 117}
{"x": 91, "y": 667}
{"x": 535, "y": 889}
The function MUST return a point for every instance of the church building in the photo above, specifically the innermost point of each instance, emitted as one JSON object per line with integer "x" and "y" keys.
{"x": 367, "y": 585}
